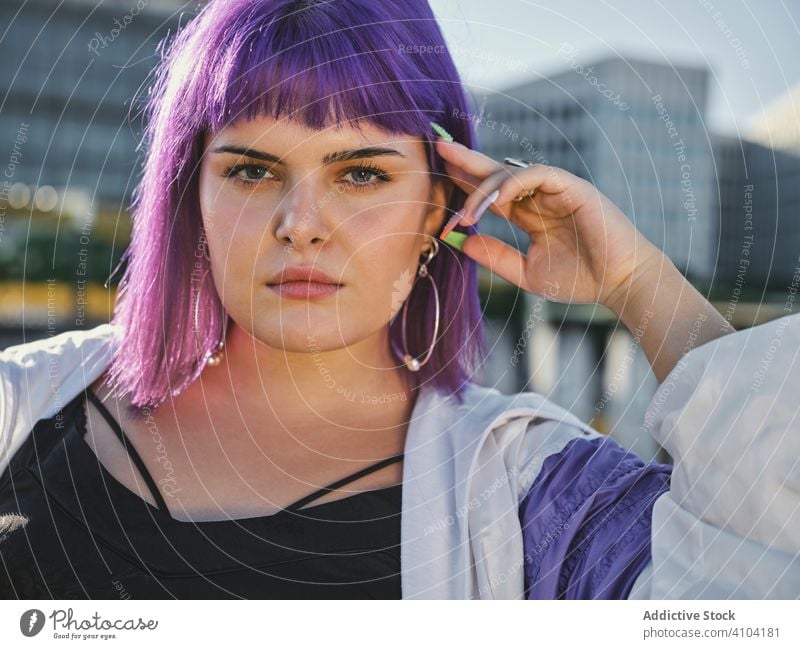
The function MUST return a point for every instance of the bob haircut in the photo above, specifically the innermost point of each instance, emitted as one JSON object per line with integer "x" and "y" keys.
{"x": 320, "y": 63}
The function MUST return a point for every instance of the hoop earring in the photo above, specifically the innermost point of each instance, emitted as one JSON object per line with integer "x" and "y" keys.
{"x": 215, "y": 357}
{"x": 414, "y": 364}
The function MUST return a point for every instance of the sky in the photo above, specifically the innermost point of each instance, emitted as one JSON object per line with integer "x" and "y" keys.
{"x": 751, "y": 48}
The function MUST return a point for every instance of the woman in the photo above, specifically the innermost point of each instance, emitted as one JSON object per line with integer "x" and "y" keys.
{"x": 258, "y": 421}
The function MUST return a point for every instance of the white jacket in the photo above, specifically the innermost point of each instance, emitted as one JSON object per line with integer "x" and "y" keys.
{"x": 728, "y": 527}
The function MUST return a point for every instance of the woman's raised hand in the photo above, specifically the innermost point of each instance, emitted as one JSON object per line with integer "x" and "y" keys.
{"x": 582, "y": 249}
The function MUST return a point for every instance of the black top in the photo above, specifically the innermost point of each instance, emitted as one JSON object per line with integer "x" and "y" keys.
{"x": 70, "y": 530}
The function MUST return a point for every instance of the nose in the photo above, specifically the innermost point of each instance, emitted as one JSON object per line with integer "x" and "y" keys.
{"x": 300, "y": 218}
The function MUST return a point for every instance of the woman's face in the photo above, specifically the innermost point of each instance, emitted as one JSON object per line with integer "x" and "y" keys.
{"x": 354, "y": 205}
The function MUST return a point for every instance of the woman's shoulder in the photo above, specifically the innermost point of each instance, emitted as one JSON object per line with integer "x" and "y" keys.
{"x": 38, "y": 378}
{"x": 489, "y": 406}
{"x": 51, "y": 365}
{"x": 515, "y": 432}
{"x": 55, "y": 357}
{"x": 52, "y": 360}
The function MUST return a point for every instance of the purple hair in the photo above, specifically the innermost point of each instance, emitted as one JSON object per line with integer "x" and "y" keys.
{"x": 314, "y": 61}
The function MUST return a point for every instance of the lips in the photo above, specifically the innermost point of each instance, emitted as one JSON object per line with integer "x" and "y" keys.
{"x": 307, "y": 274}
{"x": 305, "y": 290}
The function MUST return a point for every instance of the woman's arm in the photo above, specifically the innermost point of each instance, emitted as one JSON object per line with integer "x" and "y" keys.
{"x": 668, "y": 315}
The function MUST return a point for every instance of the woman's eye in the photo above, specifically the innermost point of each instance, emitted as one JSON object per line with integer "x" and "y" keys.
{"x": 246, "y": 173}
{"x": 365, "y": 177}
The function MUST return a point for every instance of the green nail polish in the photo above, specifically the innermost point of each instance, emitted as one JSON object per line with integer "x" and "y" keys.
{"x": 440, "y": 131}
{"x": 456, "y": 239}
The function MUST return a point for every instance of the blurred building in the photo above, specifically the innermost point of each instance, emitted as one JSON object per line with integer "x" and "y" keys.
{"x": 758, "y": 202}
{"x": 72, "y": 80}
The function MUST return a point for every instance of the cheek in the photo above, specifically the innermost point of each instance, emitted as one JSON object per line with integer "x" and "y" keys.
{"x": 232, "y": 240}
{"x": 383, "y": 263}
{"x": 235, "y": 257}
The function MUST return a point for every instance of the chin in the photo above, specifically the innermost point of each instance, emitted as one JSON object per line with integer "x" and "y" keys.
{"x": 296, "y": 334}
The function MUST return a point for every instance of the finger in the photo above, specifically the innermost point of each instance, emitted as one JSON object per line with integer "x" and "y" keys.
{"x": 471, "y": 161}
{"x": 482, "y": 198}
{"x": 510, "y": 183}
{"x": 502, "y": 259}
{"x": 462, "y": 179}
{"x": 544, "y": 178}
{"x": 478, "y": 199}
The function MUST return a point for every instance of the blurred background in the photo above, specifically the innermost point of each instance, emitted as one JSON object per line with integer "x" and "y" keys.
{"x": 686, "y": 114}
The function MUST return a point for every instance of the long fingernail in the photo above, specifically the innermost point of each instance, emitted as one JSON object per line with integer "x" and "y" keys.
{"x": 456, "y": 239}
{"x": 491, "y": 198}
{"x": 453, "y": 222}
{"x": 441, "y": 132}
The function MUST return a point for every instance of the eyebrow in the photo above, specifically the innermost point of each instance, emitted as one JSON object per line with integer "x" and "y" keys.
{"x": 330, "y": 158}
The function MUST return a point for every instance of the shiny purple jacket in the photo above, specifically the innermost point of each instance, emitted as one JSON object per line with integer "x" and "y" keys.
{"x": 586, "y": 521}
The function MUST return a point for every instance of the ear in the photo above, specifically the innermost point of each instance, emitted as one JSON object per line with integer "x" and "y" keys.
{"x": 436, "y": 214}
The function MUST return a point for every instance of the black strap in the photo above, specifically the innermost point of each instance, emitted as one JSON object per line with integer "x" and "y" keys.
{"x": 162, "y": 505}
{"x": 332, "y": 487}
{"x": 130, "y": 449}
